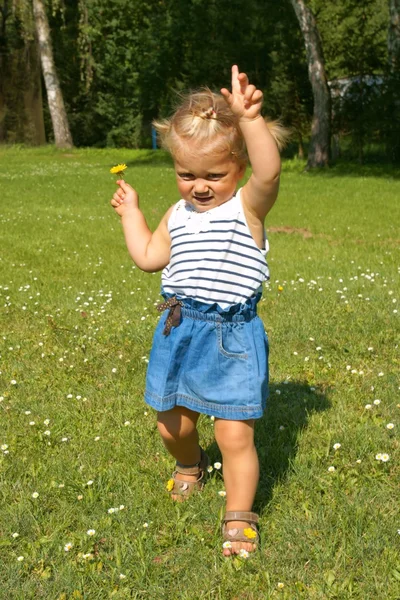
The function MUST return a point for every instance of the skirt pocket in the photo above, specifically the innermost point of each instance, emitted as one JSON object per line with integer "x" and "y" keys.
{"x": 231, "y": 340}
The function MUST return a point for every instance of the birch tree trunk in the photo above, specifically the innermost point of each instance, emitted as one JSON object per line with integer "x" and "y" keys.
{"x": 394, "y": 36}
{"x": 319, "y": 151}
{"x": 62, "y": 135}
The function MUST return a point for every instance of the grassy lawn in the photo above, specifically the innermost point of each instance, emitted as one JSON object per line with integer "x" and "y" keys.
{"x": 76, "y": 322}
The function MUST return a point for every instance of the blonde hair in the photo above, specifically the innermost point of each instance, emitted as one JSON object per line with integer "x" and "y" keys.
{"x": 205, "y": 119}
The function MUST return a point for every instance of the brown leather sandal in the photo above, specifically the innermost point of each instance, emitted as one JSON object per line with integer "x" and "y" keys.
{"x": 242, "y": 534}
{"x": 183, "y": 487}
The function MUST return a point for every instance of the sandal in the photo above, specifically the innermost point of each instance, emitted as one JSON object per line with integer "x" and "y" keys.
{"x": 182, "y": 487}
{"x": 242, "y": 534}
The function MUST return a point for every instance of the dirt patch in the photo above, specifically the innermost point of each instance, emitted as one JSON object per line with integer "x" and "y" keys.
{"x": 306, "y": 233}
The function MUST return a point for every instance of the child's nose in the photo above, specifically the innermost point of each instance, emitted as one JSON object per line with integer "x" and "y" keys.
{"x": 200, "y": 186}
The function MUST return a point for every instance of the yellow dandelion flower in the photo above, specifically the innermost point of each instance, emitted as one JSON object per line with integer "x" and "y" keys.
{"x": 170, "y": 485}
{"x": 119, "y": 169}
{"x": 280, "y": 288}
{"x": 249, "y": 533}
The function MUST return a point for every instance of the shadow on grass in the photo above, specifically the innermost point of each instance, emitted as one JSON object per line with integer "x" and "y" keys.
{"x": 342, "y": 168}
{"x": 277, "y": 433}
{"x": 151, "y": 158}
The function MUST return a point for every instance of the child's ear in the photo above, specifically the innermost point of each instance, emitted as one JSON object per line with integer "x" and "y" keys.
{"x": 242, "y": 171}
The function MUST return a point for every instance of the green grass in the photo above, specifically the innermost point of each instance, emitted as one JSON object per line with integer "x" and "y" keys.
{"x": 76, "y": 323}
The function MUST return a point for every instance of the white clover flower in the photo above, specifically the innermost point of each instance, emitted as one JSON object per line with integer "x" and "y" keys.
{"x": 222, "y": 493}
{"x": 15, "y": 535}
{"x": 121, "y": 507}
{"x": 358, "y": 461}
{"x": 80, "y": 497}
{"x": 331, "y": 469}
{"x": 32, "y": 423}
{"x": 210, "y": 469}
{"x": 228, "y": 544}
{"x": 368, "y": 406}
{"x": 281, "y": 428}
{"x": 280, "y": 585}
{"x": 96, "y": 439}
{"x": 385, "y": 457}
{"x": 47, "y": 432}
{"x": 217, "y": 465}
{"x": 4, "y": 446}
{"x": 68, "y": 547}
{"x": 64, "y": 439}
{"x": 278, "y": 392}
{"x": 90, "y": 482}
{"x": 380, "y": 374}
{"x": 20, "y": 558}
{"x": 91, "y": 532}
{"x": 46, "y": 421}
{"x": 127, "y": 423}
{"x": 27, "y": 412}
{"x": 378, "y": 456}
{"x": 122, "y": 576}
{"x": 145, "y": 525}
{"x": 390, "y": 426}
{"x": 243, "y": 553}
{"x": 87, "y": 556}
{"x": 111, "y": 511}
{"x": 13, "y": 382}
{"x": 35, "y": 495}
{"x": 69, "y": 396}
{"x": 377, "y": 402}
{"x": 337, "y": 446}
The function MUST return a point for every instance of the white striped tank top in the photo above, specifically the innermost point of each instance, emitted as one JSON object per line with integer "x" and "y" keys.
{"x": 214, "y": 257}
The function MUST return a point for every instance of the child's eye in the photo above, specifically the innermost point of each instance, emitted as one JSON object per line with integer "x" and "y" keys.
{"x": 186, "y": 176}
{"x": 216, "y": 176}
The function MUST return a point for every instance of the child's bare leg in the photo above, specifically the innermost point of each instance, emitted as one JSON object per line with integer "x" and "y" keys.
{"x": 241, "y": 471}
{"x": 177, "y": 428}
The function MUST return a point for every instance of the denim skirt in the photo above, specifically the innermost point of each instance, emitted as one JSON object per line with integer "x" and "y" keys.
{"x": 213, "y": 362}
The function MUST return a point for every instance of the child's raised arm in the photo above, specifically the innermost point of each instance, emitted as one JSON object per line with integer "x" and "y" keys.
{"x": 150, "y": 251}
{"x": 245, "y": 101}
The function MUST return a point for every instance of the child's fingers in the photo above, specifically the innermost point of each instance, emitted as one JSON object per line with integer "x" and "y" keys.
{"x": 243, "y": 82}
{"x": 124, "y": 186}
{"x": 227, "y": 95}
{"x": 250, "y": 90}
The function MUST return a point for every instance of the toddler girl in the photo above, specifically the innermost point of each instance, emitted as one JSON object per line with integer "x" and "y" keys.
{"x": 210, "y": 350}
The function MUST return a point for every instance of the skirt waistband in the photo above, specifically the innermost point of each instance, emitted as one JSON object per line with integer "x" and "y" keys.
{"x": 247, "y": 315}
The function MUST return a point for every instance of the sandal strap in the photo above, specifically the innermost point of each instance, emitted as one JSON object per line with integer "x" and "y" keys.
{"x": 184, "y": 488}
{"x": 198, "y": 468}
{"x": 240, "y": 515}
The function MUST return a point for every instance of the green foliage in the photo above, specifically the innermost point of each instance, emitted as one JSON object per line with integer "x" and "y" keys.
{"x": 122, "y": 64}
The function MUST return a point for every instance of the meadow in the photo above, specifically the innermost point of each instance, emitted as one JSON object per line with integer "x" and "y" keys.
{"x": 84, "y": 513}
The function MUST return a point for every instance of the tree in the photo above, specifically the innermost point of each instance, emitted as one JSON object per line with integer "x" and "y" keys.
{"x": 394, "y": 36}
{"x": 319, "y": 151}
{"x": 62, "y": 135}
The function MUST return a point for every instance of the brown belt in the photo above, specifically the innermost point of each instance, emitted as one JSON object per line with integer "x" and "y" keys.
{"x": 174, "y": 315}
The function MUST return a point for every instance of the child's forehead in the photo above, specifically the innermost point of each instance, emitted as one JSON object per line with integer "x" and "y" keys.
{"x": 203, "y": 163}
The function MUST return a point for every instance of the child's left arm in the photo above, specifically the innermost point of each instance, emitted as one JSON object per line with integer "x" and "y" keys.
{"x": 261, "y": 190}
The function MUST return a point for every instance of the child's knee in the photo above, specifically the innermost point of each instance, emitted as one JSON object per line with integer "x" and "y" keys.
{"x": 234, "y": 437}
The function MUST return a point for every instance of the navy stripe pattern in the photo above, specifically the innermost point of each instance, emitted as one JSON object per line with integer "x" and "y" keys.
{"x": 214, "y": 257}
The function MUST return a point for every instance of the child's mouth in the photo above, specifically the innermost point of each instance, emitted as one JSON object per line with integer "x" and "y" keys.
{"x": 203, "y": 198}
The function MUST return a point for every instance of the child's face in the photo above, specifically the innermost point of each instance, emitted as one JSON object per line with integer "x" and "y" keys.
{"x": 208, "y": 181}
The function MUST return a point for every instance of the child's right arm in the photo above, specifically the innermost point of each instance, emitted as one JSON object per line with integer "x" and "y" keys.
{"x": 150, "y": 251}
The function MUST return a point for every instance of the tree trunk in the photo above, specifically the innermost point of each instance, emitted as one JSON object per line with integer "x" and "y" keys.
{"x": 62, "y": 135}
{"x": 394, "y": 36}
{"x": 319, "y": 152}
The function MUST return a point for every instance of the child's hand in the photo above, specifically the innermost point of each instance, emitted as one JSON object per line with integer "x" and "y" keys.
{"x": 245, "y": 100}
{"x": 125, "y": 198}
